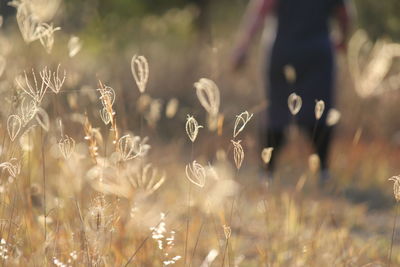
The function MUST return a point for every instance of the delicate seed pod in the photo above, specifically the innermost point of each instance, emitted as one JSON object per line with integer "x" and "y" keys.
{"x": 129, "y": 147}
{"x": 107, "y": 95}
{"x": 333, "y": 117}
{"x": 266, "y": 154}
{"x": 47, "y": 35}
{"x": 172, "y": 108}
{"x": 192, "y": 128}
{"x": 319, "y": 109}
{"x": 14, "y": 124}
{"x": 143, "y": 103}
{"x": 3, "y": 64}
{"x": 105, "y": 116}
{"x": 238, "y": 153}
{"x": 148, "y": 180}
{"x": 74, "y": 46}
{"x": 28, "y": 110}
{"x": 43, "y": 119}
{"x": 66, "y": 146}
{"x": 241, "y": 120}
{"x": 57, "y": 82}
{"x": 227, "y": 231}
{"x": 27, "y": 22}
{"x": 35, "y": 90}
{"x": 154, "y": 113}
{"x": 314, "y": 163}
{"x": 396, "y": 187}
{"x": 140, "y": 71}
{"x": 290, "y": 73}
{"x": 196, "y": 174}
{"x": 13, "y": 167}
{"x": 208, "y": 94}
{"x": 294, "y": 103}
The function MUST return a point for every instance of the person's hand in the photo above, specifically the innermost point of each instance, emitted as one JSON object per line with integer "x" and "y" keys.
{"x": 239, "y": 57}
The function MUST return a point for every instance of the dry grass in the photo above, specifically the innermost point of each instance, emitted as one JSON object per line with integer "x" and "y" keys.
{"x": 102, "y": 173}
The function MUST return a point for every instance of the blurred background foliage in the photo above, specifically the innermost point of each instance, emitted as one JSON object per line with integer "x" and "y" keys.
{"x": 380, "y": 18}
{"x": 102, "y": 17}
{"x": 127, "y": 20}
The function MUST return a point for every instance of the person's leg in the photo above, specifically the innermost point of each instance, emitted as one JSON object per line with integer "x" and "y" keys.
{"x": 275, "y": 139}
{"x": 321, "y": 137}
{"x": 277, "y": 114}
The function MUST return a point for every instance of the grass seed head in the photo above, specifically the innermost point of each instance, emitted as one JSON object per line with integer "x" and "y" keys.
{"x": 238, "y": 153}
{"x": 140, "y": 71}
{"x": 28, "y": 110}
{"x": 14, "y": 124}
{"x": 35, "y": 90}
{"x": 396, "y": 187}
{"x": 294, "y": 103}
{"x": 319, "y": 108}
{"x": 208, "y": 94}
{"x": 172, "y": 108}
{"x": 314, "y": 163}
{"x": 290, "y": 73}
{"x": 227, "y": 231}
{"x": 46, "y": 35}
{"x": 266, "y": 154}
{"x": 192, "y": 128}
{"x": 74, "y": 46}
{"x": 66, "y": 146}
{"x": 43, "y": 119}
{"x": 333, "y": 117}
{"x": 196, "y": 174}
{"x": 241, "y": 120}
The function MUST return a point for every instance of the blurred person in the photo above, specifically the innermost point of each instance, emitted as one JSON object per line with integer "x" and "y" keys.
{"x": 304, "y": 47}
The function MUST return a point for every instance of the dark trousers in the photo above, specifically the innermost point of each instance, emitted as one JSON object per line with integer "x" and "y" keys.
{"x": 320, "y": 136}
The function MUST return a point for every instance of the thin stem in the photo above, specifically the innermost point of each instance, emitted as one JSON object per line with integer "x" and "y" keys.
{"x": 84, "y": 233}
{"x": 187, "y": 225}
{"x": 188, "y": 214}
{"x": 44, "y": 186}
{"x": 197, "y": 241}
{"x": 393, "y": 234}
{"x": 223, "y": 256}
{"x": 142, "y": 244}
{"x": 230, "y": 221}
{"x": 314, "y": 131}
